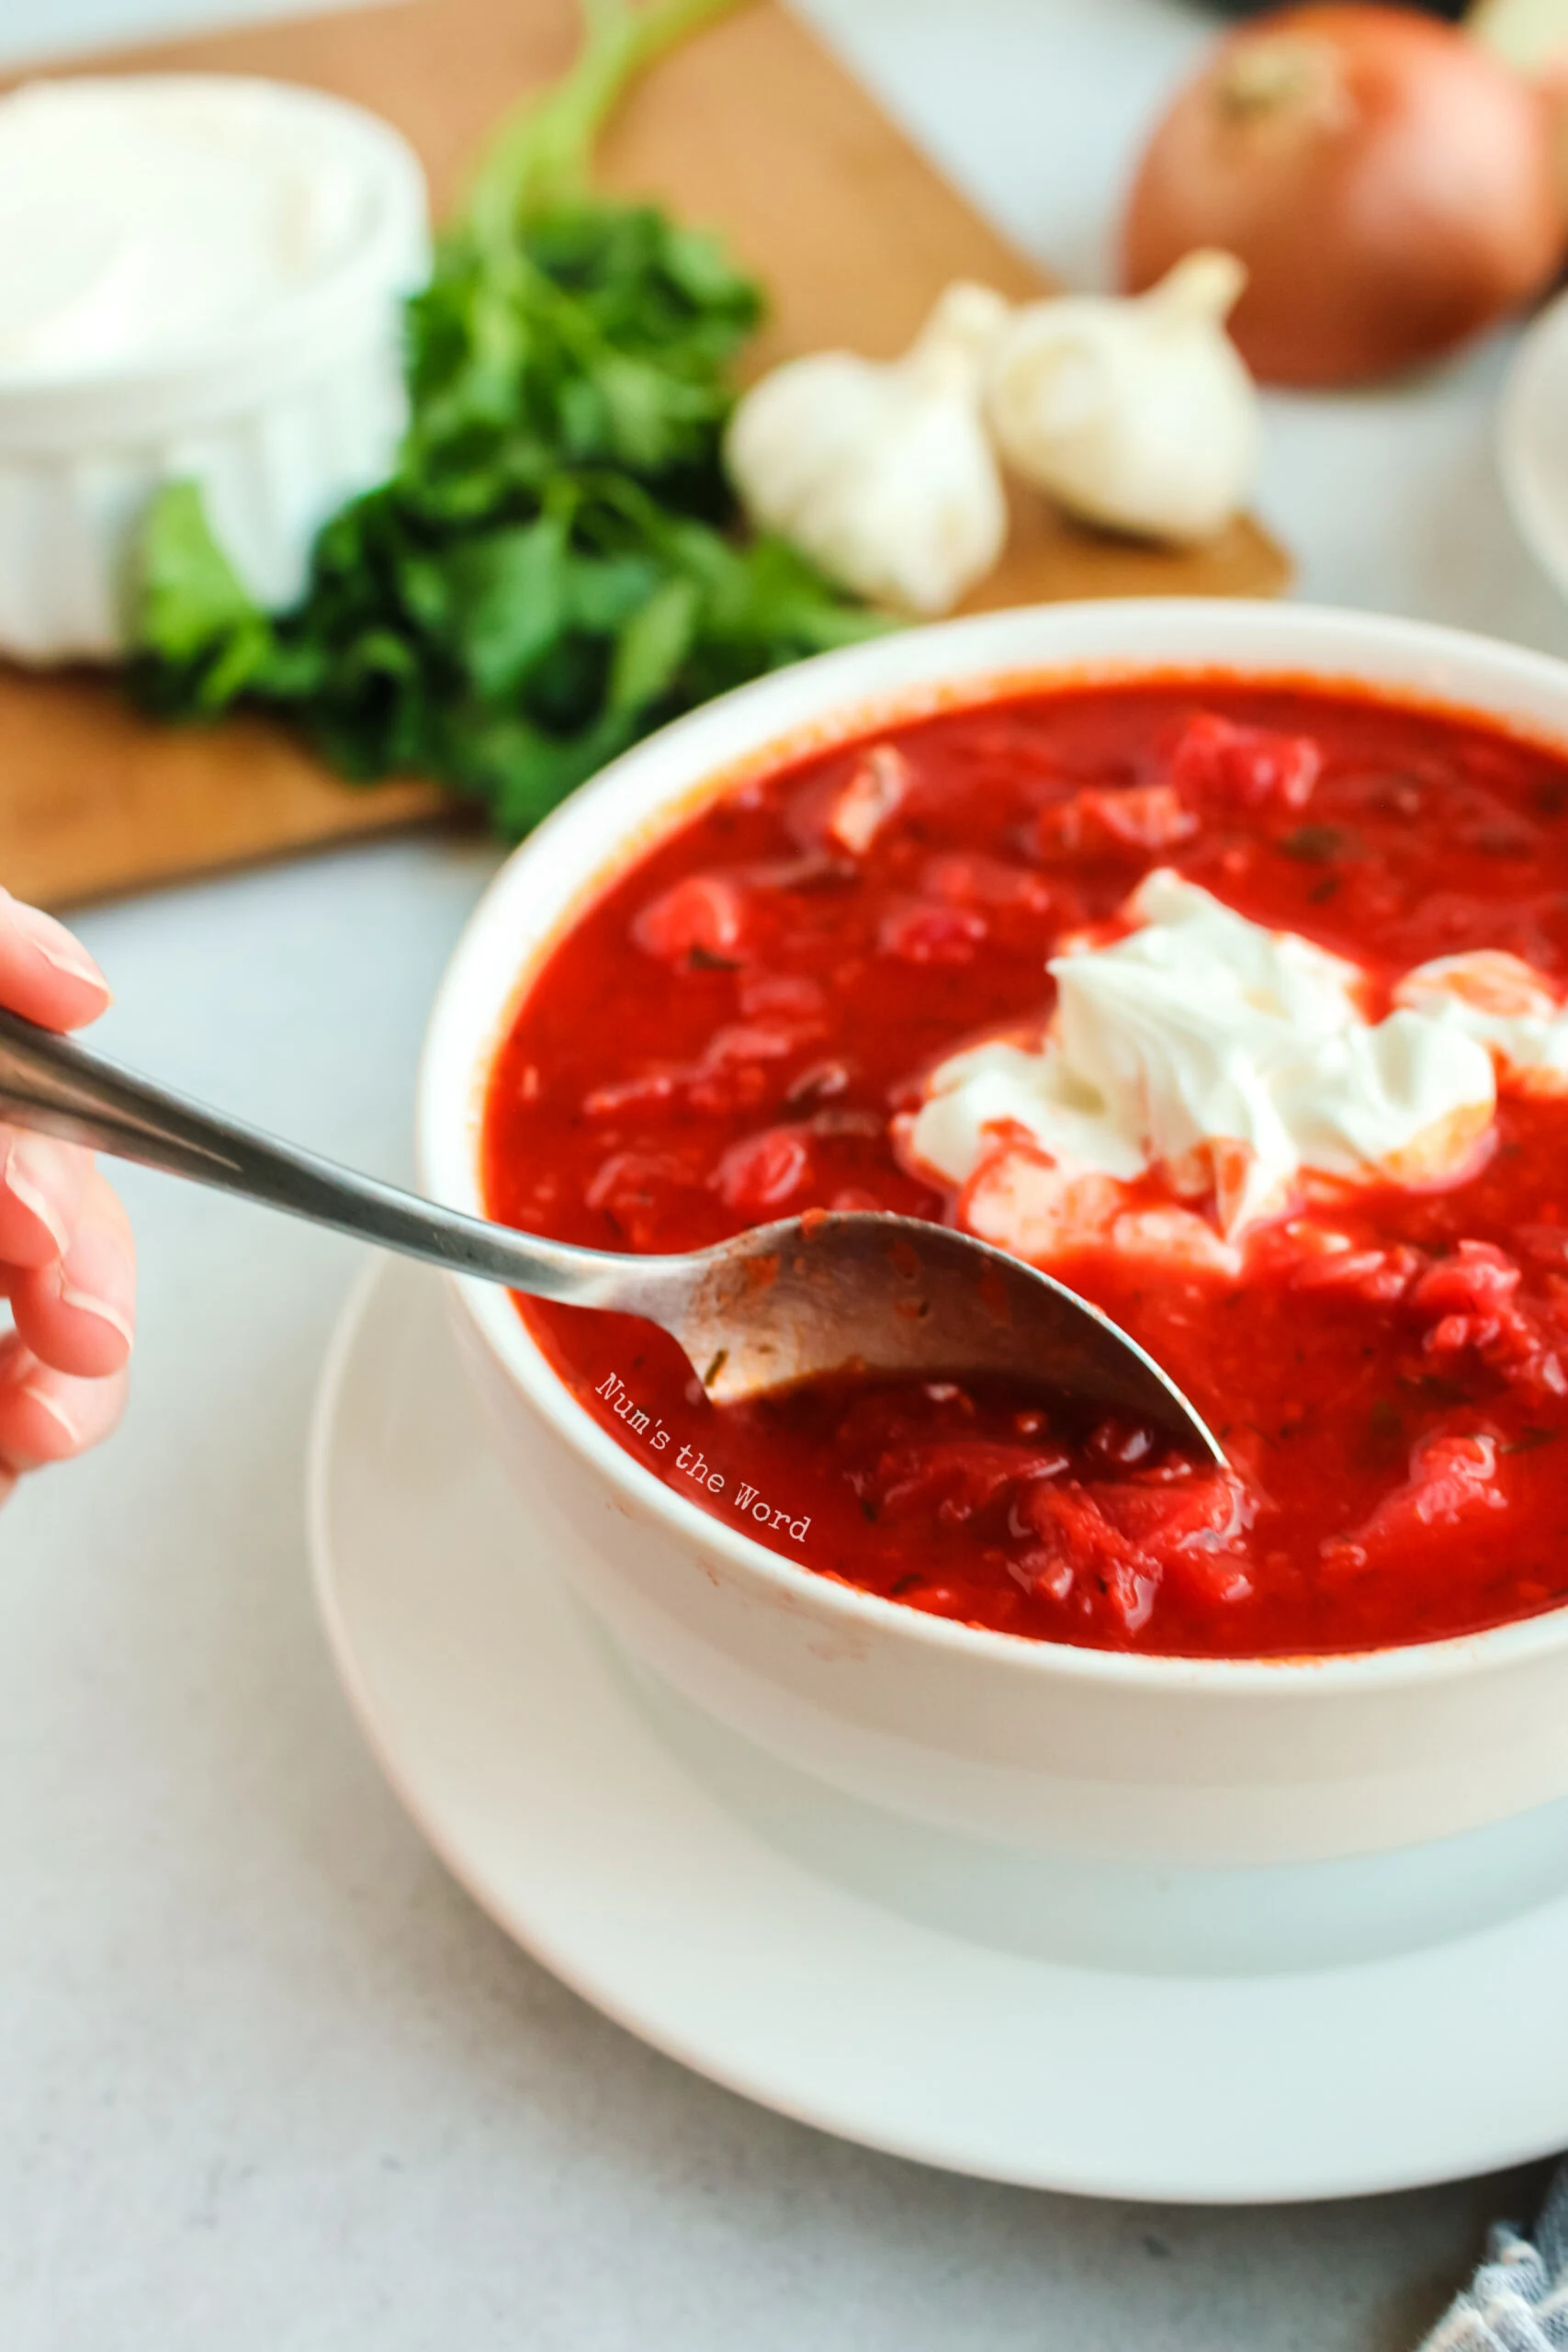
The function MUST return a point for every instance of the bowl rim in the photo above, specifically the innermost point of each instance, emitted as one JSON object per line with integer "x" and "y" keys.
{"x": 840, "y": 689}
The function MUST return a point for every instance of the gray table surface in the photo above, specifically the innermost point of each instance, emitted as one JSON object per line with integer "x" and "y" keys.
{"x": 267, "y": 2078}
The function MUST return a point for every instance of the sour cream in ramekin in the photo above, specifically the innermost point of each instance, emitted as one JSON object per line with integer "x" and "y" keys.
{"x": 200, "y": 276}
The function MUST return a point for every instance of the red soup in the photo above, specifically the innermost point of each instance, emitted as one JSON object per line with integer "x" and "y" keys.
{"x": 1292, "y": 1106}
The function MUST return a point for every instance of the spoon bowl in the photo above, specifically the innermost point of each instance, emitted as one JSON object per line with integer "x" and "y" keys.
{"x": 896, "y": 1298}
{"x": 783, "y": 1303}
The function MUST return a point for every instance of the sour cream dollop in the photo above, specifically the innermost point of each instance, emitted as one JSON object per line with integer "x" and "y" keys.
{"x": 1232, "y": 1061}
{"x": 141, "y": 217}
{"x": 1498, "y": 1000}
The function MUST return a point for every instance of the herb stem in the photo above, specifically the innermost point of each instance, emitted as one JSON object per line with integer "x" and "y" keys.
{"x": 542, "y": 154}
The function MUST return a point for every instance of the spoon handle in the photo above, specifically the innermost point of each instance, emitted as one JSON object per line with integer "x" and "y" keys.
{"x": 50, "y": 1083}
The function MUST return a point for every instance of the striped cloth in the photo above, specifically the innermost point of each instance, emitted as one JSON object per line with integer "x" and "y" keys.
{"x": 1518, "y": 2301}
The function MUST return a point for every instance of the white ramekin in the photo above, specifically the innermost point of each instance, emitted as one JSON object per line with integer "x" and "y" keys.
{"x": 279, "y": 419}
{"x": 1195, "y": 1761}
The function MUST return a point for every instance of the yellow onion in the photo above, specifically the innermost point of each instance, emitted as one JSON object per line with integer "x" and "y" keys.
{"x": 1389, "y": 184}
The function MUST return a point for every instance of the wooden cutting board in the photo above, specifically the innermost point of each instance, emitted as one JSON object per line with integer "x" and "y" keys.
{"x": 752, "y": 130}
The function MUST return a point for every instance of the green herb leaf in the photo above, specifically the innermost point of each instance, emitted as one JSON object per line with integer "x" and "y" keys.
{"x": 507, "y": 602}
{"x": 653, "y": 645}
{"x": 211, "y": 637}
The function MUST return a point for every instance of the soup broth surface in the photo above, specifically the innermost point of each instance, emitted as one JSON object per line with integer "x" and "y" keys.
{"x": 745, "y": 1023}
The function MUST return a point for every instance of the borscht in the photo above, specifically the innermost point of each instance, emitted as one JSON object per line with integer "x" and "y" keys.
{"x": 1240, "y": 1006}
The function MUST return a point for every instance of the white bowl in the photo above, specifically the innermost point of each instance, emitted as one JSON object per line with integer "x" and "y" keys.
{"x": 1532, "y": 440}
{"x": 279, "y": 417}
{"x": 1033, "y": 1744}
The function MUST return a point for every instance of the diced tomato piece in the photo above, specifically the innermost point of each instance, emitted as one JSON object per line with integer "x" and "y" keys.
{"x": 757, "y": 1176}
{"x": 1218, "y": 760}
{"x": 1452, "y": 1484}
{"x": 1113, "y": 819}
{"x": 701, "y": 916}
{"x": 917, "y": 934}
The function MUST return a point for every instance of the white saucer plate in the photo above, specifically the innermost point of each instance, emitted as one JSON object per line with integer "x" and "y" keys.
{"x": 1180, "y": 2051}
{"x": 1532, "y": 439}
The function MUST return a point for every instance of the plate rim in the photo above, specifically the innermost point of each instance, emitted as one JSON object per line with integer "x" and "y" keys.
{"x": 758, "y": 2085}
{"x": 1542, "y": 347}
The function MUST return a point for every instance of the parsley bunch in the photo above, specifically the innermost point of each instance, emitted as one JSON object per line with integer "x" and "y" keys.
{"x": 552, "y": 570}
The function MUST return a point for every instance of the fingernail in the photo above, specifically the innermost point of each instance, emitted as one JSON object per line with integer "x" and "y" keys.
{"x": 81, "y": 1302}
{"x": 51, "y": 1403}
{"x": 27, "y": 1184}
{"x": 57, "y": 945}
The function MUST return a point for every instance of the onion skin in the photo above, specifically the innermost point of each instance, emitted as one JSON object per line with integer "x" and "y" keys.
{"x": 1389, "y": 187}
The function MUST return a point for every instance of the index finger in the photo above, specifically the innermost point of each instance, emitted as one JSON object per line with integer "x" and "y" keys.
{"x": 46, "y": 974}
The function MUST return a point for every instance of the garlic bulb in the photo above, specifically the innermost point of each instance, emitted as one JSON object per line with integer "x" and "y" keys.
{"x": 881, "y": 471}
{"x": 1137, "y": 414}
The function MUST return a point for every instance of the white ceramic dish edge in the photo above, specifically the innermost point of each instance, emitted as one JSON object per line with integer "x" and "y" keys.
{"x": 1532, "y": 440}
{"x": 279, "y": 420}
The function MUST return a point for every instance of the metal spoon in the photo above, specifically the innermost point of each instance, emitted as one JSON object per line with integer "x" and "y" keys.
{"x": 813, "y": 1294}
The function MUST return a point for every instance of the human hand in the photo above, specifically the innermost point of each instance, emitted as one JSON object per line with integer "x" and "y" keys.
{"x": 67, "y": 1262}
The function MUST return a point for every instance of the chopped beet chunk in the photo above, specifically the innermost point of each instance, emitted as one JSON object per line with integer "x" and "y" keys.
{"x": 760, "y": 1176}
{"x": 1217, "y": 761}
{"x": 700, "y": 921}
{"x": 1452, "y": 1483}
{"x": 927, "y": 934}
{"x": 1129, "y": 816}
